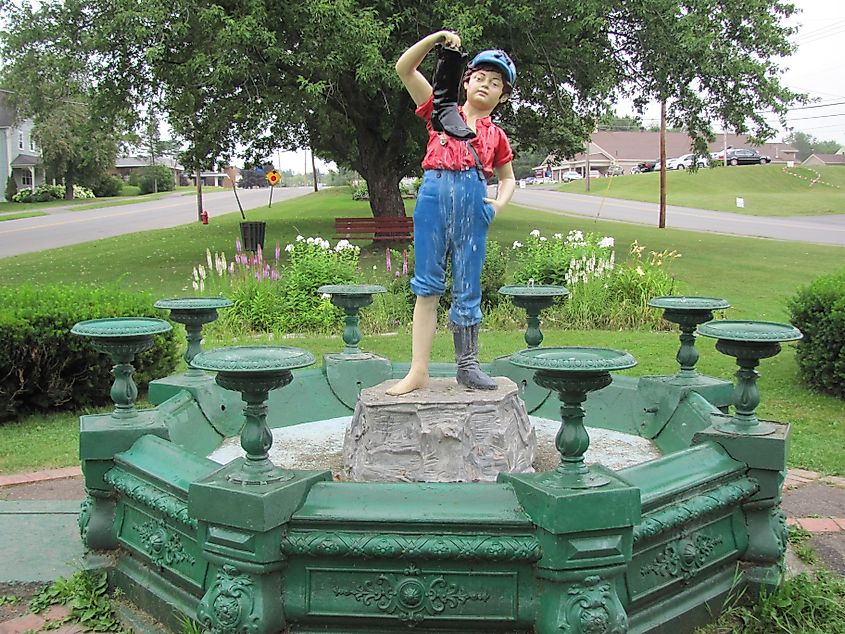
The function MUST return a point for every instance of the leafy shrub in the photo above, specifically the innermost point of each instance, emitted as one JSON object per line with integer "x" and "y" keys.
{"x": 82, "y": 192}
{"x": 130, "y": 190}
{"x": 269, "y": 295}
{"x": 11, "y": 188}
{"x": 360, "y": 192}
{"x": 818, "y": 310}
{"x": 156, "y": 178}
{"x": 44, "y": 193}
{"x": 107, "y": 186}
{"x": 602, "y": 294}
{"x": 43, "y": 367}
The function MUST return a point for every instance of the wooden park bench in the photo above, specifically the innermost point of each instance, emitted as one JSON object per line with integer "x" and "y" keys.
{"x": 392, "y": 228}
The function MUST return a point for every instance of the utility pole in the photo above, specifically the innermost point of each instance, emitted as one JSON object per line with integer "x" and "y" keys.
{"x": 314, "y": 169}
{"x": 662, "y": 221}
{"x": 725, "y": 147}
{"x": 587, "y": 175}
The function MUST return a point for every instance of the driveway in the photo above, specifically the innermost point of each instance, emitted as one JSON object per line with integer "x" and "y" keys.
{"x": 64, "y": 226}
{"x": 819, "y": 229}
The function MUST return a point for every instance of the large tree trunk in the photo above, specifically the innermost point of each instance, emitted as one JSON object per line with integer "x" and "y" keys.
{"x": 68, "y": 187}
{"x": 380, "y": 169}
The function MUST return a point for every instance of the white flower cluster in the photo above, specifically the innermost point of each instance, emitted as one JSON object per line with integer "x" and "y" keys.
{"x": 585, "y": 268}
{"x": 216, "y": 262}
{"x": 342, "y": 245}
{"x": 198, "y": 276}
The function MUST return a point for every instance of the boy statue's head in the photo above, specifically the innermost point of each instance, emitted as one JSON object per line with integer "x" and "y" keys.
{"x": 491, "y": 74}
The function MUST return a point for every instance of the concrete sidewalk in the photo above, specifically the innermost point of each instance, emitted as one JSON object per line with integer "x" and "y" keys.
{"x": 39, "y": 536}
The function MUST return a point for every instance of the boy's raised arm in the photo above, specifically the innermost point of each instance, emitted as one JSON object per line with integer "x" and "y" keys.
{"x": 406, "y": 67}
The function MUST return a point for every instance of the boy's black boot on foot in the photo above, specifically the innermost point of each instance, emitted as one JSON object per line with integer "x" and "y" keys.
{"x": 469, "y": 372}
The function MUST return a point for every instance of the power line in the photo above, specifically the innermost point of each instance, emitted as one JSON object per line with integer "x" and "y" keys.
{"x": 820, "y": 116}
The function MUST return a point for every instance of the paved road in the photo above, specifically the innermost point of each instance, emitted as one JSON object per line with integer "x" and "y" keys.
{"x": 820, "y": 229}
{"x": 65, "y": 226}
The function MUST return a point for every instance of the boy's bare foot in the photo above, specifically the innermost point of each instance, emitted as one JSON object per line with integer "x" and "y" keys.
{"x": 414, "y": 380}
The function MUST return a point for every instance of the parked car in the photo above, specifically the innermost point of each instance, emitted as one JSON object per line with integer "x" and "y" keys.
{"x": 647, "y": 166}
{"x": 571, "y": 175}
{"x": 671, "y": 163}
{"x": 615, "y": 171}
{"x": 687, "y": 160}
{"x": 742, "y": 156}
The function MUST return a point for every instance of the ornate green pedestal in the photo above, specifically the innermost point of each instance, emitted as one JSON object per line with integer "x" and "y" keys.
{"x": 351, "y": 298}
{"x": 102, "y": 436}
{"x": 762, "y": 445}
{"x": 353, "y": 370}
{"x": 244, "y": 545}
{"x": 748, "y": 342}
{"x": 193, "y": 313}
{"x": 585, "y": 551}
{"x": 533, "y": 299}
{"x": 688, "y": 312}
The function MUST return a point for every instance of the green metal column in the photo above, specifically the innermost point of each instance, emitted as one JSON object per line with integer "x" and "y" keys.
{"x": 245, "y": 594}
{"x": 586, "y": 537}
{"x": 766, "y": 522}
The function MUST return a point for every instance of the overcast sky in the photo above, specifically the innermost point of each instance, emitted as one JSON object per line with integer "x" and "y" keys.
{"x": 815, "y": 69}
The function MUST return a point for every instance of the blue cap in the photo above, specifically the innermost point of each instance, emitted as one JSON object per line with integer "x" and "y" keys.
{"x": 500, "y": 59}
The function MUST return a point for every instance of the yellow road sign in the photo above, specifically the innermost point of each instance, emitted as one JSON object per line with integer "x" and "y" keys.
{"x": 273, "y": 177}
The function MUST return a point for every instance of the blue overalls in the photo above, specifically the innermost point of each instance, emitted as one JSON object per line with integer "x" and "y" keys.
{"x": 451, "y": 219}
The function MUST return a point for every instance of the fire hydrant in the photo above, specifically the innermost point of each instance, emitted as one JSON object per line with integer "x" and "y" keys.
{"x": 204, "y": 217}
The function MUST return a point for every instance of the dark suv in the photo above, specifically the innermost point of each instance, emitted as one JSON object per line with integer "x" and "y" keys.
{"x": 746, "y": 156}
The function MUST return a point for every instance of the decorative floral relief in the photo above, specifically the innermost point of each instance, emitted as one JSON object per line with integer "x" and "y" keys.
{"x": 592, "y": 607}
{"x": 683, "y": 558}
{"x": 162, "y": 545}
{"x": 411, "y": 596}
{"x": 228, "y": 606}
{"x": 84, "y": 516}
{"x": 472, "y": 547}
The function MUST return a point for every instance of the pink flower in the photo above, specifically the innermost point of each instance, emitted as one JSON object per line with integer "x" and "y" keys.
{"x": 388, "y": 264}
{"x": 238, "y": 245}
{"x": 398, "y": 274}
{"x": 231, "y": 267}
{"x": 278, "y": 250}
{"x": 259, "y": 256}
{"x": 274, "y": 275}
{"x": 404, "y": 262}
{"x": 258, "y": 275}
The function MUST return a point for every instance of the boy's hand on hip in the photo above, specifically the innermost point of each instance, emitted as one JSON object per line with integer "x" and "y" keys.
{"x": 450, "y": 39}
{"x": 495, "y": 204}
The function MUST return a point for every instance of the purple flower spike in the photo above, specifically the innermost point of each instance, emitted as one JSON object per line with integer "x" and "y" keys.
{"x": 387, "y": 264}
{"x": 238, "y": 245}
{"x": 404, "y": 262}
{"x": 231, "y": 267}
{"x": 274, "y": 275}
{"x": 278, "y": 250}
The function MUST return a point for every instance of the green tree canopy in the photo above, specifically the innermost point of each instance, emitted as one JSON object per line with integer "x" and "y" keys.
{"x": 807, "y": 144}
{"x": 51, "y": 87}
{"x": 320, "y": 73}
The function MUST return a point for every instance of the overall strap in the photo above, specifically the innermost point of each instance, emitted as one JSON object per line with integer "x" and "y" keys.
{"x": 478, "y": 165}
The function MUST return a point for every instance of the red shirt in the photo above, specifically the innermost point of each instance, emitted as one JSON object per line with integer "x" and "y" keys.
{"x": 490, "y": 142}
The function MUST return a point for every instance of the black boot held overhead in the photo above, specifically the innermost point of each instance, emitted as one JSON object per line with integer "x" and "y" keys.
{"x": 446, "y": 84}
{"x": 469, "y": 372}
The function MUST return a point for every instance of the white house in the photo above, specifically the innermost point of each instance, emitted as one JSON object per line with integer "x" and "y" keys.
{"x": 19, "y": 155}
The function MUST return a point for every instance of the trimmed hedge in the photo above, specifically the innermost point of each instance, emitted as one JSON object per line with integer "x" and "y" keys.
{"x": 818, "y": 310}
{"x": 44, "y": 368}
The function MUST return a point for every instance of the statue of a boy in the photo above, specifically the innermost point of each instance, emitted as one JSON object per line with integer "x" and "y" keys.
{"x": 453, "y": 214}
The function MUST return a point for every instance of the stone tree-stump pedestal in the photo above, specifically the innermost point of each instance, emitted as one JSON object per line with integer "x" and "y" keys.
{"x": 444, "y": 433}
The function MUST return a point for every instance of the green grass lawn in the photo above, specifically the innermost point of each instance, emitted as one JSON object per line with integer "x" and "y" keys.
{"x": 756, "y": 275}
{"x": 767, "y": 189}
{"x": 23, "y": 214}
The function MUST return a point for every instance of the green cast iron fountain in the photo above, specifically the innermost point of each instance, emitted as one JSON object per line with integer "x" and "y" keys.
{"x": 253, "y": 546}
